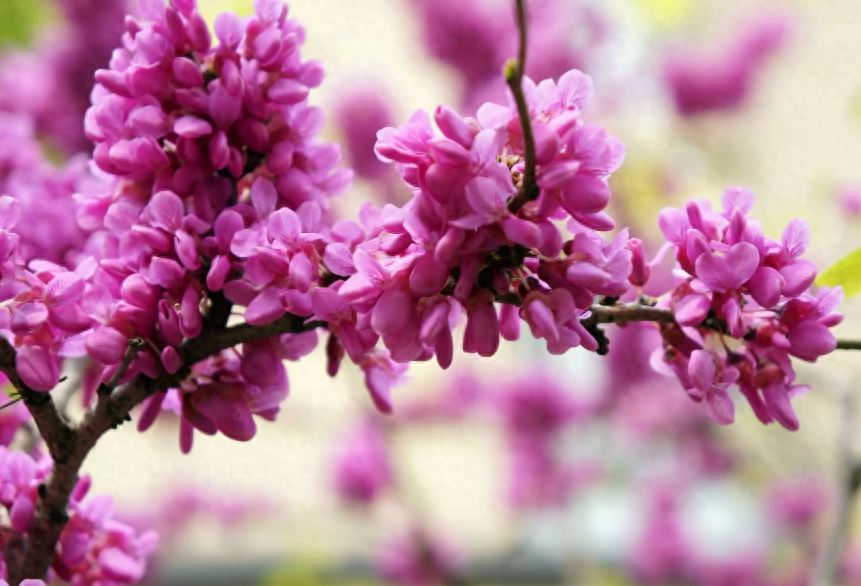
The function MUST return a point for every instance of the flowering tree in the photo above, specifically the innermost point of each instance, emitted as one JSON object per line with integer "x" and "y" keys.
{"x": 201, "y": 253}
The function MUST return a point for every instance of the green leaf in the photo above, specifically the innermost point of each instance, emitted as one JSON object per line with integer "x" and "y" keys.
{"x": 846, "y": 273}
{"x": 19, "y": 21}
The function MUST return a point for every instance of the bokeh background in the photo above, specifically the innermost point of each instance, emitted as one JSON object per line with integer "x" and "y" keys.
{"x": 642, "y": 483}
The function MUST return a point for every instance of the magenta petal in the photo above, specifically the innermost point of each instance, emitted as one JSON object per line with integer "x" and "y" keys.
{"x": 543, "y": 322}
{"x": 393, "y": 310}
{"x": 170, "y": 359}
{"x": 106, "y": 345}
{"x": 585, "y": 194}
{"x": 287, "y": 91}
{"x": 228, "y": 30}
{"x": 266, "y": 307}
{"x": 766, "y": 286}
{"x": 810, "y": 339}
{"x": 719, "y": 407}
{"x": 119, "y": 566}
{"x": 339, "y": 260}
{"x": 428, "y": 276}
{"x": 27, "y": 317}
{"x": 587, "y": 275}
{"x": 795, "y": 238}
{"x": 798, "y": 276}
{"x": 701, "y": 369}
{"x": 509, "y": 322}
{"x": 777, "y": 400}
{"x": 37, "y": 367}
{"x": 730, "y": 272}
{"x": 575, "y": 89}
{"x": 732, "y": 314}
{"x": 482, "y": 332}
{"x": 166, "y": 272}
{"x": 232, "y": 418}
{"x": 522, "y": 232}
{"x": 379, "y": 388}
{"x": 192, "y": 127}
{"x": 546, "y": 143}
{"x": 285, "y": 226}
{"x": 692, "y": 309}
{"x": 599, "y": 221}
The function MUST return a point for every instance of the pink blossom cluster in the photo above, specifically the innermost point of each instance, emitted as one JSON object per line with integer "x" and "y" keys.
{"x": 475, "y": 38}
{"x": 458, "y": 246}
{"x": 224, "y": 392}
{"x": 361, "y": 470}
{"x": 743, "y": 309}
{"x": 204, "y": 152}
{"x": 535, "y": 412}
{"x": 669, "y": 548}
{"x": 48, "y": 229}
{"x": 723, "y": 78}
{"x": 94, "y": 548}
{"x": 360, "y": 112}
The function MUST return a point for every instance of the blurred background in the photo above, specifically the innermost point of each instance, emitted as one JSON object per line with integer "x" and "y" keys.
{"x": 525, "y": 468}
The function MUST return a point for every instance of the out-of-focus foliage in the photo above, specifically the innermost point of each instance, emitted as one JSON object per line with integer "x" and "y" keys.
{"x": 307, "y": 572}
{"x": 846, "y": 273}
{"x": 665, "y": 13}
{"x": 19, "y": 20}
{"x": 210, "y": 8}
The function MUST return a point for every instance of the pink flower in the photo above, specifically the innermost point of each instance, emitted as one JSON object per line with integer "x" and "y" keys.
{"x": 361, "y": 470}
{"x": 710, "y": 381}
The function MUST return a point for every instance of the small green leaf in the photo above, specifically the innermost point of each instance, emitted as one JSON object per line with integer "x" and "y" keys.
{"x": 846, "y": 273}
{"x": 19, "y": 21}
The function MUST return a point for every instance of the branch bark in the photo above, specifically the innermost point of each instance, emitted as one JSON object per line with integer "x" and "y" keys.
{"x": 69, "y": 445}
{"x": 514, "y": 71}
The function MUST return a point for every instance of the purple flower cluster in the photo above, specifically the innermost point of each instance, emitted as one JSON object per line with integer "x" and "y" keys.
{"x": 733, "y": 282}
{"x": 361, "y": 470}
{"x": 724, "y": 78}
{"x": 535, "y": 412}
{"x": 205, "y": 151}
{"x": 94, "y": 548}
{"x": 457, "y": 246}
{"x": 47, "y": 229}
{"x": 225, "y": 391}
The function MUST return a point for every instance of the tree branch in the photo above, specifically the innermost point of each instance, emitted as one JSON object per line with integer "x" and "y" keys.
{"x": 69, "y": 445}
{"x": 514, "y": 71}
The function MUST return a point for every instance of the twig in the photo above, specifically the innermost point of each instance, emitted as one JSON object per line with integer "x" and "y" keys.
{"x": 514, "y": 71}
{"x": 626, "y": 313}
{"x": 69, "y": 445}
{"x": 828, "y": 562}
{"x": 134, "y": 346}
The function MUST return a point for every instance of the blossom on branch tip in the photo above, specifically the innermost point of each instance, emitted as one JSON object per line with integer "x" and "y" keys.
{"x": 734, "y": 282}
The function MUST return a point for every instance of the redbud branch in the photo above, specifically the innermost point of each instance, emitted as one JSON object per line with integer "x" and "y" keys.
{"x": 514, "y": 71}
{"x": 520, "y": 7}
{"x": 629, "y": 312}
{"x": 134, "y": 345}
{"x": 69, "y": 445}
